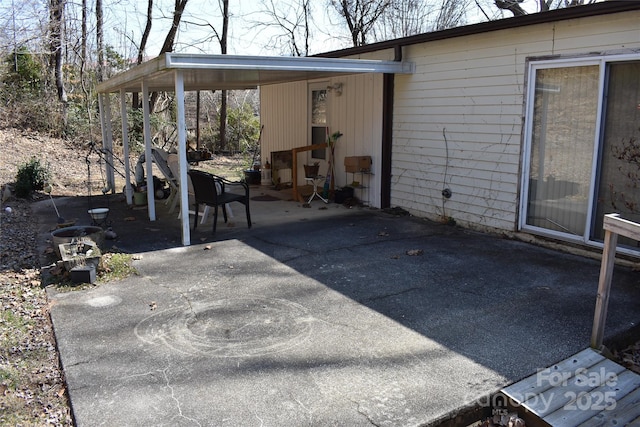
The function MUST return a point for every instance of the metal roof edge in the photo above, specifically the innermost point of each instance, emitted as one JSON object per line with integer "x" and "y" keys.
{"x": 282, "y": 63}
{"x": 574, "y": 12}
{"x": 145, "y": 69}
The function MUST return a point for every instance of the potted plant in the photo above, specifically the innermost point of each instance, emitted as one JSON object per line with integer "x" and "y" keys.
{"x": 252, "y": 174}
{"x": 311, "y": 171}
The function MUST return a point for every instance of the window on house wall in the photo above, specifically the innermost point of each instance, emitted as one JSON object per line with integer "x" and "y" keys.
{"x": 318, "y": 119}
{"x": 583, "y": 148}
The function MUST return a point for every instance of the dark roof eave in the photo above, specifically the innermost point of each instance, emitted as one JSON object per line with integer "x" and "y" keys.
{"x": 604, "y": 8}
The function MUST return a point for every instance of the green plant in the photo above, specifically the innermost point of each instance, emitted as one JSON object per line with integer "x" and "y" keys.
{"x": 116, "y": 266}
{"x": 113, "y": 266}
{"x": 333, "y": 138}
{"x": 243, "y": 130}
{"x": 31, "y": 176}
{"x": 24, "y": 73}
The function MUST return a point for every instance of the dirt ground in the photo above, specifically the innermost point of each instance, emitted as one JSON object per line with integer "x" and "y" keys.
{"x": 32, "y": 387}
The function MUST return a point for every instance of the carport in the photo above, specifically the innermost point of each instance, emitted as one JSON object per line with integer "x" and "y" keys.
{"x": 190, "y": 72}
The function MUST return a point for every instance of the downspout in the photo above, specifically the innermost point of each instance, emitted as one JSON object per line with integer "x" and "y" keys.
{"x": 387, "y": 132}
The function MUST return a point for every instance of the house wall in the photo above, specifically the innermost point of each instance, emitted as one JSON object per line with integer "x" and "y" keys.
{"x": 357, "y": 114}
{"x": 458, "y": 120}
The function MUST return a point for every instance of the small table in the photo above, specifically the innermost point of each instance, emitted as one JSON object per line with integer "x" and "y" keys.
{"x": 315, "y": 180}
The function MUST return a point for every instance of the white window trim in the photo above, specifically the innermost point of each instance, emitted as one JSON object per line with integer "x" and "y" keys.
{"x": 322, "y": 85}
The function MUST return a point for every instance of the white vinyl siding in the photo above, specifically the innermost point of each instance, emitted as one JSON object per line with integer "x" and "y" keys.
{"x": 470, "y": 90}
{"x": 283, "y": 113}
{"x": 357, "y": 113}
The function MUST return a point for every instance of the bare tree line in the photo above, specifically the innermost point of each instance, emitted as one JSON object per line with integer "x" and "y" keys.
{"x": 84, "y": 42}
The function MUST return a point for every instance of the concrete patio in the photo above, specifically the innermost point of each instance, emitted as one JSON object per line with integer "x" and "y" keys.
{"x": 318, "y": 316}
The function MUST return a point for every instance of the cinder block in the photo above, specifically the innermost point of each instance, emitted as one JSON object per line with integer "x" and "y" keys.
{"x": 83, "y": 274}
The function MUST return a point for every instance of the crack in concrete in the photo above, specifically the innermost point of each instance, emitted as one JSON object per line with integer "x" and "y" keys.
{"x": 173, "y": 396}
{"x": 364, "y": 414}
{"x": 307, "y": 410}
{"x": 80, "y": 363}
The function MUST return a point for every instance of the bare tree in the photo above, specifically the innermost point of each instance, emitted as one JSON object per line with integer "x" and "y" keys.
{"x": 145, "y": 33}
{"x": 514, "y": 6}
{"x": 56, "y": 17}
{"x": 451, "y": 14}
{"x": 291, "y": 20}
{"x": 169, "y": 40}
{"x": 141, "y": 48}
{"x": 404, "y": 18}
{"x": 360, "y": 16}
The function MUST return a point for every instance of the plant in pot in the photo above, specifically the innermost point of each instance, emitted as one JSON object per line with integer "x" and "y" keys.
{"x": 252, "y": 174}
{"x": 311, "y": 171}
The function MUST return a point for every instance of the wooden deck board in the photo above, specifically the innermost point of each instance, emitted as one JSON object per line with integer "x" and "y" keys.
{"x": 566, "y": 392}
{"x": 543, "y": 379}
{"x": 626, "y": 412}
{"x": 585, "y": 389}
{"x": 599, "y": 400}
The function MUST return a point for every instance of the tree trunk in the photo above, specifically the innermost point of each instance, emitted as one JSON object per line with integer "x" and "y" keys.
{"x": 99, "y": 41}
{"x": 512, "y": 6}
{"x": 83, "y": 43}
{"x": 56, "y": 16}
{"x": 167, "y": 46}
{"x": 143, "y": 45}
{"x": 223, "y": 50}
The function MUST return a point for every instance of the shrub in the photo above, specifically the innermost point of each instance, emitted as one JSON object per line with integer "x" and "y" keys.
{"x": 31, "y": 176}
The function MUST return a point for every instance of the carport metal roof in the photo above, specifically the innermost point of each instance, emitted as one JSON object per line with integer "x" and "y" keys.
{"x": 176, "y": 72}
{"x": 207, "y": 72}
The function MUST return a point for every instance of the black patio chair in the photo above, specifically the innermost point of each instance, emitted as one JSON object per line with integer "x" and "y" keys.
{"x": 210, "y": 190}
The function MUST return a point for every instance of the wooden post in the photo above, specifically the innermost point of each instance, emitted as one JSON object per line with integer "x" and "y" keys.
{"x": 613, "y": 225}
{"x": 604, "y": 286}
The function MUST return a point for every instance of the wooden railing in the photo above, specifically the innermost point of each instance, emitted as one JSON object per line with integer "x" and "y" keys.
{"x": 613, "y": 226}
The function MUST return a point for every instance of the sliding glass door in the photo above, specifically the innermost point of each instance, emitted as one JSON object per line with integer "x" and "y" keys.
{"x": 561, "y": 155}
{"x": 582, "y": 148}
{"x": 619, "y": 173}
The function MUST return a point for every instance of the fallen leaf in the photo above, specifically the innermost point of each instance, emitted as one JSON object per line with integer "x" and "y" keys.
{"x": 415, "y": 252}
{"x": 383, "y": 234}
{"x": 130, "y": 218}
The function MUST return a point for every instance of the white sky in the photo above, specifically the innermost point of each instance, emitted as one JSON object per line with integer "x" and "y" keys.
{"x": 125, "y": 20}
{"x": 246, "y": 37}
{"x": 245, "y": 34}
